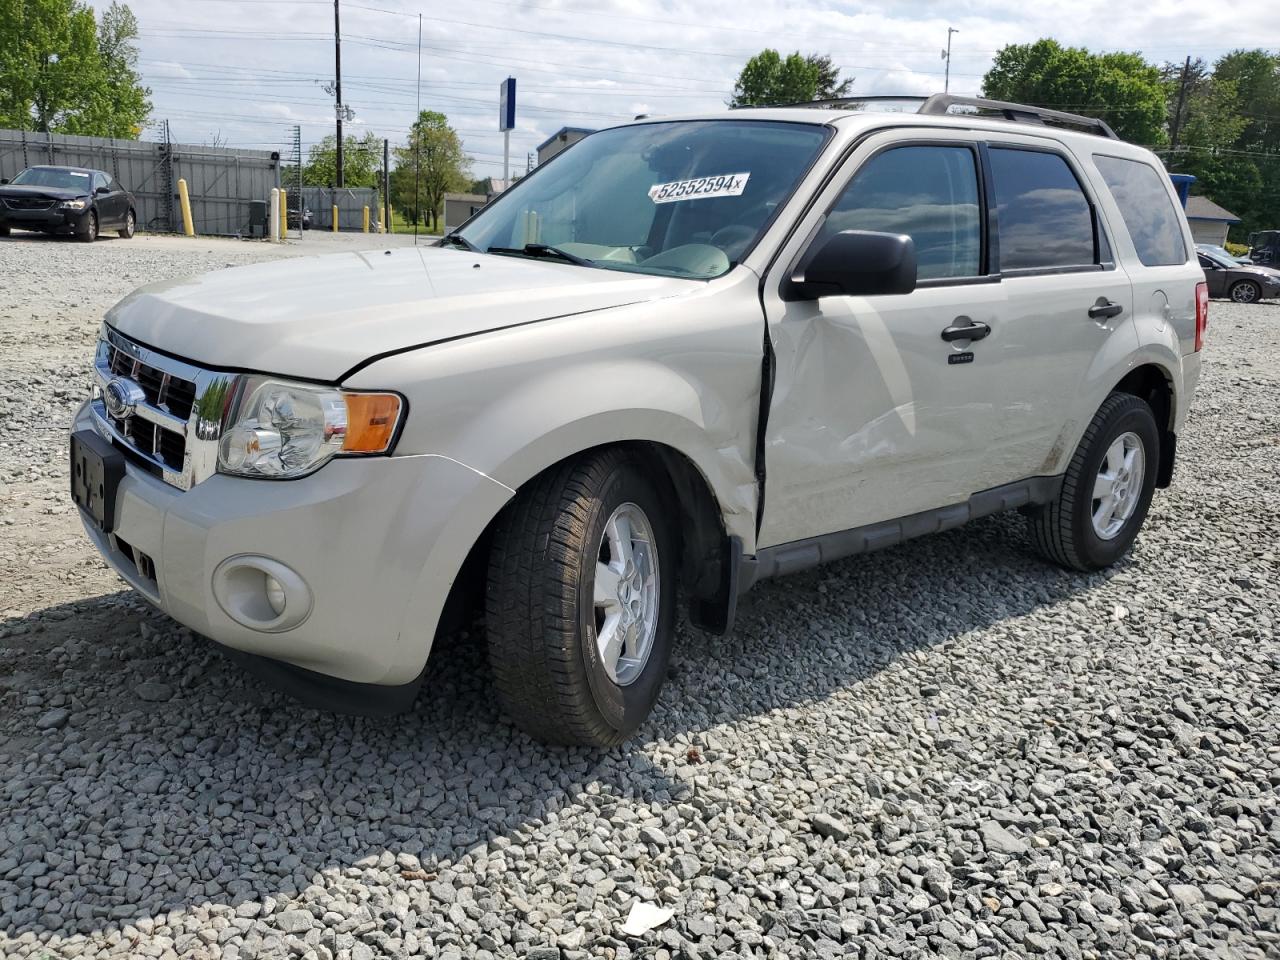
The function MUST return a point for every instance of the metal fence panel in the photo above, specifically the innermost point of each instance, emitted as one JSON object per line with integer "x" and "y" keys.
{"x": 221, "y": 181}
{"x": 351, "y": 202}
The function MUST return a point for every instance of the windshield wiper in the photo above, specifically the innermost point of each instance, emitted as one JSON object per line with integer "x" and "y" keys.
{"x": 458, "y": 240}
{"x": 544, "y": 250}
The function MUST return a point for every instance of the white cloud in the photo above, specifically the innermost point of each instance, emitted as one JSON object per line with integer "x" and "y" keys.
{"x": 250, "y": 67}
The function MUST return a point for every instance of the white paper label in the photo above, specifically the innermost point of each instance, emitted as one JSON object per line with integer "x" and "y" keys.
{"x": 724, "y": 185}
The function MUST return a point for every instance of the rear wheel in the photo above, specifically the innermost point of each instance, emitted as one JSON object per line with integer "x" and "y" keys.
{"x": 581, "y": 601}
{"x": 1106, "y": 490}
{"x": 1245, "y": 291}
{"x": 130, "y": 225}
{"x": 87, "y": 232}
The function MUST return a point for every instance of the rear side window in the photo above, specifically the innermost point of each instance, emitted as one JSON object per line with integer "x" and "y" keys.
{"x": 929, "y": 193}
{"x": 1046, "y": 221}
{"x": 1147, "y": 209}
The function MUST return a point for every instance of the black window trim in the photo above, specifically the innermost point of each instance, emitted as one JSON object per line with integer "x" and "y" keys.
{"x": 1186, "y": 252}
{"x": 986, "y": 238}
{"x": 1099, "y": 230}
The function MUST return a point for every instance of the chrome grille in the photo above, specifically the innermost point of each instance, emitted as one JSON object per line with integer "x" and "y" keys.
{"x": 173, "y": 419}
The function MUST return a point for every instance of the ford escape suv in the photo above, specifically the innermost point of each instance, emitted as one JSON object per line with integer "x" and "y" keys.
{"x": 686, "y": 355}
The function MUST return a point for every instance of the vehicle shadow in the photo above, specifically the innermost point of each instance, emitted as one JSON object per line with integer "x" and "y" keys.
{"x": 230, "y": 792}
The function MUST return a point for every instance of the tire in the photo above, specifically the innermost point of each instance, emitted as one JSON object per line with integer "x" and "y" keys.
{"x": 87, "y": 232}
{"x": 1246, "y": 291}
{"x": 543, "y": 620}
{"x": 5, "y": 231}
{"x": 1065, "y": 531}
{"x": 130, "y": 226}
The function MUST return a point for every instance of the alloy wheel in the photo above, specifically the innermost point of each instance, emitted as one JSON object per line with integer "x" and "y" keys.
{"x": 626, "y": 594}
{"x": 1118, "y": 486}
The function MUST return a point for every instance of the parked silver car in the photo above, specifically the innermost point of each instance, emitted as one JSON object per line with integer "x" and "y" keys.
{"x": 685, "y": 355}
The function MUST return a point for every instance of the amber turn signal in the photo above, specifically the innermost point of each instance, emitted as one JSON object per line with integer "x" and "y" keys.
{"x": 371, "y": 422}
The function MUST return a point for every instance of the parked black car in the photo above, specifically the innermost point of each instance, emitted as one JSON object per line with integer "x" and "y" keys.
{"x": 1243, "y": 284}
{"x": 71, "y": 200}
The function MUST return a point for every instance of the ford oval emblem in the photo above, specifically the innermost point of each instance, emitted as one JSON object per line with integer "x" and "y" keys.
{"x": 120, "y": 396}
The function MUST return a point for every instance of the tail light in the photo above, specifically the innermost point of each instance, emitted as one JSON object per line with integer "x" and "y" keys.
{"x": 1202, "y": 313}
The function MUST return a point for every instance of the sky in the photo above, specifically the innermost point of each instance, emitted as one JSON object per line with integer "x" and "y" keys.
{"x": 242, "y": 72}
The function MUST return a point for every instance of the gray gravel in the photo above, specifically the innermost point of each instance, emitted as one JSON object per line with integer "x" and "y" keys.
{"x": 948, "y": 749}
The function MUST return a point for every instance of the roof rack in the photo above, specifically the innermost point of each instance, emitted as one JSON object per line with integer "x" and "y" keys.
{"x": 838, "y": 102}
{"x": 940, "y": 104}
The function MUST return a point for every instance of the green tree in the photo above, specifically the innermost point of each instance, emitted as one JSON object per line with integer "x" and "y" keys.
{"x": 361, "y": 161}
{"x": 1121, "y": 88}
{"x": 430, "y": 165}
{"x": 60, "y": 73}
{"x": 769, "y": 78}
{"x": 830, "y": 85}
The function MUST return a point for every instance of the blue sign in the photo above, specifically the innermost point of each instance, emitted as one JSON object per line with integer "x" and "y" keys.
{"x": 507, "y": 104}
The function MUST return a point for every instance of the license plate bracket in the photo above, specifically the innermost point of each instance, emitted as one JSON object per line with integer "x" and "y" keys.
{"x": 96, "y": 471}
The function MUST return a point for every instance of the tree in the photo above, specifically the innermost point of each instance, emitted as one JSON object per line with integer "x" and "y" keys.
{"x": 361, "y": 161}
{"x": 1227, "y": 138}
{"x": 830, "y": 86}
{"x": 60, "y": 73}
{"x": 1121, "y": 88}
{"x": 768, "y": 78}
{"x": 430, "y": 165}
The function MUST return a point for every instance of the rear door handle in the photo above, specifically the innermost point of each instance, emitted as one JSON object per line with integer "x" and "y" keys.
{"x": 1104, "y": 309}
{"x": 970, "y": 330}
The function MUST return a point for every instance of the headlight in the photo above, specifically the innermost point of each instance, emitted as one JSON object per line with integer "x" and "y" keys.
{"x": 283, "y": 430}
{"x": 73, "y": 204}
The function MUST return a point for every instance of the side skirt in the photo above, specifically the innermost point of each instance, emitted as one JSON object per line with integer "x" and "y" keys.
{"x": 799, "y": 555}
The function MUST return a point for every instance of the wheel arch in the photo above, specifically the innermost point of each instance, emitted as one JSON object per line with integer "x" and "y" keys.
{"x": 709, "y": 555}
{"x": 1154, "y": 384}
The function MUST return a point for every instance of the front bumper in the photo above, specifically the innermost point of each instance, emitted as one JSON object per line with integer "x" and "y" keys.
{"x": 44, "y": 220}
{"x": 377, "y": 541}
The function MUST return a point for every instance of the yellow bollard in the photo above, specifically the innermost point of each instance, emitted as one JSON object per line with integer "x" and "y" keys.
{"x": 185, "y": 201}
{"x": 284, "y": 214}
{"x": 391, "y": 219}
{"x": 366, "y": 219}
{"x": 335, "y": 218}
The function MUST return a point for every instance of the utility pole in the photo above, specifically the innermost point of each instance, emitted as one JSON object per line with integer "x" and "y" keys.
{"x": 386, "y": 186}
{"x": 337, "y": 82}
{"x": 946, "y": 82}
{"x": 1176, "y": 126}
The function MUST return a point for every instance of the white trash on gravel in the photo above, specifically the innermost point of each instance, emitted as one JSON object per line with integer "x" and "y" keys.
{"x": 949, "y": 749}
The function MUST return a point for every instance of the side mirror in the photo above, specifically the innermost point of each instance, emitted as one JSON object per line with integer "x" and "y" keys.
{"x": 3, "y": 180}
{"x": 102, "y": 190}
{"x": 855, "y": 263}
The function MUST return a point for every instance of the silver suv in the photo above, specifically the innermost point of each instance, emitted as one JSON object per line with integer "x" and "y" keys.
{"x": 686, "y": 355}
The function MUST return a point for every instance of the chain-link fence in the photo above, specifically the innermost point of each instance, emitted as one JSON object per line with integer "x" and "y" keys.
{"x": 350, "y": 201}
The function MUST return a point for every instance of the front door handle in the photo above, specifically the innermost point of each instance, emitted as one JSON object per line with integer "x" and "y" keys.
{"x": 969, "y": 330}
{"x": 1104, "y": 309}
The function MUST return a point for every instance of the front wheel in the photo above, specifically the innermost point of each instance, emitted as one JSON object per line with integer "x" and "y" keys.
{"x": 1106, "y": 490}
{"x": 581, "y": 601}
{"x": 88, "y": 230}
{"x": 1245, "y": 291}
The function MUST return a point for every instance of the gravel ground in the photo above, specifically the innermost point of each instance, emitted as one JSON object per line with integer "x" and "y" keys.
{"x": 944, "y": 750}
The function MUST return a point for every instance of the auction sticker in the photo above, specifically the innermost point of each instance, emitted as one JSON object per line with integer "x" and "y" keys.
{"x": 724, "y": 185}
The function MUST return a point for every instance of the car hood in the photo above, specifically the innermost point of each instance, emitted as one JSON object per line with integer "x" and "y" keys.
{"x": 41, "y": 193}
{"x": 317, "y": 317}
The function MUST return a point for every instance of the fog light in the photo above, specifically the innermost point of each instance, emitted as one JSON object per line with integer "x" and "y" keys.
{"x": 275, "y": 595}
{"x": 261, "y": 593}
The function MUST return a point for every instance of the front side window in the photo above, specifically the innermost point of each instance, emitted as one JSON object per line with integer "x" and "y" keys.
{"x": 929, "y": 193}
{"x": 99, "y": 181}
{"x": 1045, "y": 219}
{"x": 1147, "y": 209}
{"x": 683, "y": 199}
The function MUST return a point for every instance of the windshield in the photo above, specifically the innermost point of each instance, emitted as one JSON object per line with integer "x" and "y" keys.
{"x": 53, "y": 177}
{"x": 683, "y": 199}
